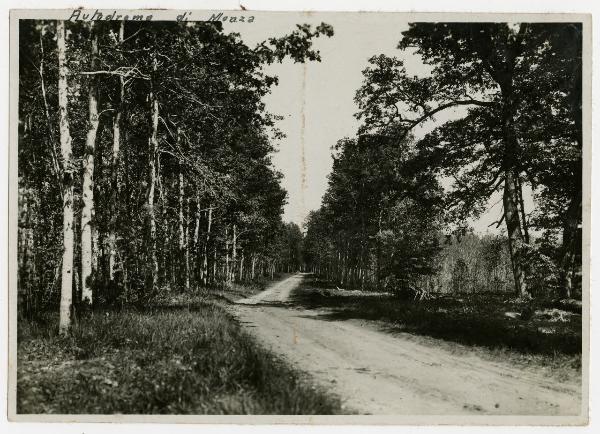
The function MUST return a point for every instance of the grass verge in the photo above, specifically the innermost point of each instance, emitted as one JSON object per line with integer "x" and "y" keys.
{"x": 162, "y": 360}
{"x": 478, "y": 323}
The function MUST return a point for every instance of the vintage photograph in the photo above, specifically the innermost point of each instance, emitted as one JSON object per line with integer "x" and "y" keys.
{"x": 286, "y": 213}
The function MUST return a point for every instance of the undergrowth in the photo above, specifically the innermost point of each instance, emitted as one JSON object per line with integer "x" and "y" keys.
{"x": 494, "y": 325}
{"x": 172, "y": 360}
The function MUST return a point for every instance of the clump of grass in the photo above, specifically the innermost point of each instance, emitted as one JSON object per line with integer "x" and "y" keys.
{"x": 158, "y": 361}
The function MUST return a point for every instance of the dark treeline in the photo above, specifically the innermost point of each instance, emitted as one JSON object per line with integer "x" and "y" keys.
{"x": 145, "y": 160}
{"x": 386, "y": 221}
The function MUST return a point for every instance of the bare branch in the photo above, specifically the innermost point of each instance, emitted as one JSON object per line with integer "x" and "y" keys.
{"x": 455, "y": 103}
{"x": 125, "y": 72}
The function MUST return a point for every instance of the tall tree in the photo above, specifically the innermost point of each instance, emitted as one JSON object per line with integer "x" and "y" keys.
{"x": 115, "y": 162}
{"x": 87, "y": 211}
{"x": 68, "y": 165}
{"x": 483, "y": 67}
{"x": 152, "y": 276}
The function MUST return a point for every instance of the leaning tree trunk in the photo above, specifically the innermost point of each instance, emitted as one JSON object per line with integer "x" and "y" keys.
{"x": 152, "y": 278}
{"x": 515, "y": 235}
{"x": 522, "y": 209}
{"x": 112, "y": 235}
{"x": 87, "y": 211}
{"x": 66, "y": 293}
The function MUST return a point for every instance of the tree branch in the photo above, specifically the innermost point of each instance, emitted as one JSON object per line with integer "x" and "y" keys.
{"x": 414, "y": 123}
{"x": 132, "y": 72}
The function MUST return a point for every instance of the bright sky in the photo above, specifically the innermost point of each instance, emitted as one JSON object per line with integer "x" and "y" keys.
{"x": 317, "y": 98}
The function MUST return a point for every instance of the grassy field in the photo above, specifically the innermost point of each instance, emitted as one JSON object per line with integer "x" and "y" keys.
{"x": 494, "y": 326}
{"x": 187, "y": 357}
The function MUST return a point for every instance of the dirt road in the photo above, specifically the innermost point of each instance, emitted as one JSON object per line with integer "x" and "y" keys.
{"x": 376, "y": 373}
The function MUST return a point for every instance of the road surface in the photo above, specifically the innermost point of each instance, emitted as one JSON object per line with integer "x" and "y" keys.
{"x": 376, "y": 373}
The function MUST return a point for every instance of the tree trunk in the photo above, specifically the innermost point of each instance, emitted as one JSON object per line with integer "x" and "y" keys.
{"x": 573, "y": 215}
{"x": 198, "y": 270}
{"x": 515, "y": 235}
{"x": 165, "y": 257}
{"x": 96, "y": 249}
{"x": 569, "y": 245}
{"x": 152, "y": 278}
{"x": 26, "y": 251}
{"x": 214, "y": 271}
{"x": 205, "y": 256}
{"x": 503, "y": 76}
{"x": 233, "y": 253}
{"x": 241, "y": 278}
{"x": 187, "y": 246}
{"x": 87, "y": 212}
{"x": 226, "y": 254}
{"x": 522, "y": 208}
{"x": 112, "y": 235}
{"x": 180, "y": 231}
{"x": 66, "y": 293}
{"x": 197, "y": 219}
{"x": 512, "y": 187}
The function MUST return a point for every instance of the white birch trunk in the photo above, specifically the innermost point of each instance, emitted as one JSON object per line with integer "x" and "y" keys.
{"x": 233, "y": 253}
{"x": 187, "y": 245}
{"x": 87, "y": 211}
{"x": 66, "y": 293}
{"x": 205, "y": 259}
{"x": 196, "y": 236}
{"x": 214, "y": 275}
{"x": 112, "y": 236}
{"x": 180, "y": 278}
{"x": 226, "y": 255}
{"x": 181, "y": 232}
{"x": 153, "y": 149}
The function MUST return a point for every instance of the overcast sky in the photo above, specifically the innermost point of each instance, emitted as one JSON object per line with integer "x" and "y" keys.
{"x": 316, "y": 98}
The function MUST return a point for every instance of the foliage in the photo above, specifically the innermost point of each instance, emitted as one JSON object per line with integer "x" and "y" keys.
{"x": 212, "y": 194}
{"x": 379, "y": 218}
{"x": 473, "y": 264}
{"x": 516, "y": 92}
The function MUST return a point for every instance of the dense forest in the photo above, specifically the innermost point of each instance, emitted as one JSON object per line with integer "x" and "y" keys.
{"x": 156, "y": 271}
{"x": 145, "y": 164}
{"x": 396, "y": 210}
{"x": 145, "y": 161}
